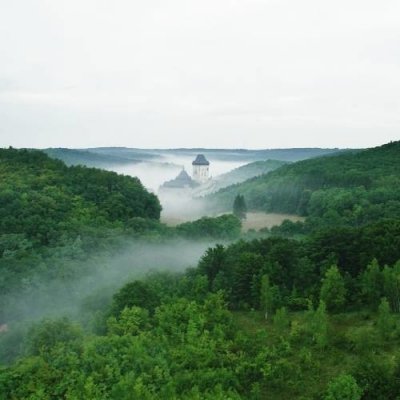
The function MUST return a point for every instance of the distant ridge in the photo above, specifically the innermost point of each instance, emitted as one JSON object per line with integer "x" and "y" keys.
{"x": 249, "y": 155}
{"x": 291, "y": 188}
{"x": 84, "y": 157}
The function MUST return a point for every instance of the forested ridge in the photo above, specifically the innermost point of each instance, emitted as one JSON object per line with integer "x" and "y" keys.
{"x": 42, "y": 198}
{"x": 310, "y": 316}
{"x": 348, "y": 188}
{"x": 245, "y": 172}
{"x": 88, "y": 158}
{"x": 58, "y": 223}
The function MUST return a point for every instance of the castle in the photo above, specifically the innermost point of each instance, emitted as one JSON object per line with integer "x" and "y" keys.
{"x": 201, "y": 169}
{"x": 201, "y": 174}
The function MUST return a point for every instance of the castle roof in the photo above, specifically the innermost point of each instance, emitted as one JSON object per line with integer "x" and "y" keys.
{"x": 181, "y": 181}
{"x": 200, "y": 160}
{"x": 183, "y": 177}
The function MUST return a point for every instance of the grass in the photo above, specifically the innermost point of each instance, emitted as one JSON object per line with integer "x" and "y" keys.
{"x": 254, "y": 220}
{"x": 259, "y": 220}
{"x": 352, "y": 338}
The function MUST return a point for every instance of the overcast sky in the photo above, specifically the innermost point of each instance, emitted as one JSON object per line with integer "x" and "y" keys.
{"x": 199, "y": 73}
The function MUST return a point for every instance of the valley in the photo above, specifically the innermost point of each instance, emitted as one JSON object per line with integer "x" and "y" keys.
{"x": 181, "y": 296}
{"x": 199, "y": 200}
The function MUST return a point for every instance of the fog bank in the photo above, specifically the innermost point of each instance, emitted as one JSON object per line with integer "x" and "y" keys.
{"x": 105, "y": 274}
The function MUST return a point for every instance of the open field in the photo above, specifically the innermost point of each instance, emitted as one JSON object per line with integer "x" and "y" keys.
{"x": 259, "y": 220}
{"x": 254, "y": 220}
{"x": 172, "y": 220}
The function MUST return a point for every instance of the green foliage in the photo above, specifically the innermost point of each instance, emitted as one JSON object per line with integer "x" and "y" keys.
{"x": 333, "y": 291}
{"x": 90, "y": 158}
{"x": 222, "y": 227}
{"x": 131, "y": 321}
{"x": 246, "y": 283}
{"x": 344, "y": 387}
{"x": 281, "y": 320}
{"x": 202, "y": 333}
{"x": 46, "y": 334}
{"x": 352, "y": 248}
{"x": 268, "y": 295}
{"x": 385, "y": 321}
{"x": 137, "y": 294}
{"x": 350, "y": 188}
{"x": 245, "y": 172}
{"x": 372, "y": 284}
{"x": 377, "y": 378}
{"x": 41, "y": 198}
{"x": 391, "y": 286}
{"x": 212, "y": 262}
{"x": 53, "y": 216}
{"x": 318, "y": 325}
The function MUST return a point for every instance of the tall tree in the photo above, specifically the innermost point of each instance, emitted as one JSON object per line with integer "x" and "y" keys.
{"x": 391, "y": 286}
{"x": 321, "y": 325}
{"x": 333, "y": 290}
{"x": 266, "y": 296}
{"x": 372, "y": 283}
{"x": 212, "y": 263}
{"x": 385, "y": 319}
{"x": 239, "y": 207}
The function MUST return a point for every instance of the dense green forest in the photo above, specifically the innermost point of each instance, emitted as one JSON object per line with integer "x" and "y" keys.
{"x": 245, "y": 172}
{"x": 349, "y": 188}
{"x": 42, "y": 198}
{"x": 88, "y": 158}
{"x": 58, "y": 222}
{"x": 313, "y": 315}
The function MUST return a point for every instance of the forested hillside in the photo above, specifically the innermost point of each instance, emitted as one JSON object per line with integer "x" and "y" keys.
{"x": 88, "y": 158}
{"x": 58, "y": 223}
{"x": 43, "y": 199}
{"x": 316, "y": 317}
{"x": 288, "y": 155}
{"x": 245, "y": 172}
{"x": 272, "y": 318}
{"x": 52, "y": 216}
{"x": 349, "y": 188}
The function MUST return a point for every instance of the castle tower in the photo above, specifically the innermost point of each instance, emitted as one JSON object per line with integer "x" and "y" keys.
{"x": 201, "y": 168}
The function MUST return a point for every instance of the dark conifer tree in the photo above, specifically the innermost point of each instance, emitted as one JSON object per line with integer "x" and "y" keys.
{"x": 239, "y": 207}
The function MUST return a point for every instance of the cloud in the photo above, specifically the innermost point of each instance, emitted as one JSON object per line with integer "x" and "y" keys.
{"x": 246, "y": 73}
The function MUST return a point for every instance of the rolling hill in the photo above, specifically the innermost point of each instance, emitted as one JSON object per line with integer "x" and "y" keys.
{"x": 89, "y": 158}
{"x": 43, "y": 198}
{"x": 359, "y": 186}
{"x": 246, "y": 172}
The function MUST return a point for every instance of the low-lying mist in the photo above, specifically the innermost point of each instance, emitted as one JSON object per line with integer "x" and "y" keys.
{"x": 155, "y": 172}
{"x": 176, "y": 207}
{"x": 63, "y": 295}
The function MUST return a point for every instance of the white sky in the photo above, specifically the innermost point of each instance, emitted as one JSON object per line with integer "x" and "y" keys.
{"x": 204, "y": 73}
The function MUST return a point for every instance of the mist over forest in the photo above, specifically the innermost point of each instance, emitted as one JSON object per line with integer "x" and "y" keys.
{"x": 246, "y": 284}
{"x": 199, "y": 200}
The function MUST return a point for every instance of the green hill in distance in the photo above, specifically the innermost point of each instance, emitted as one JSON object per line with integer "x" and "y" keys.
{"x": 313, "y": 315}
{"x": 43, "y": 199}
{"x": 246, "y": 172}
{"x": 88, "y": 158}
{"x": 352, "y": 187}
{"x": 249, "y": 155}
{"x": 113, "y": 156}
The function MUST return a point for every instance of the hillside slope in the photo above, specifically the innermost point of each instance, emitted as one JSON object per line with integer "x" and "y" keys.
{"x": 246, "y": 155}
{"x": 104, "y": 156}
{"x": 88, "y": 158}
{"x": 42, "y": 198}
{"x": 246, "y": 172}
{"x": 365, "y": 182}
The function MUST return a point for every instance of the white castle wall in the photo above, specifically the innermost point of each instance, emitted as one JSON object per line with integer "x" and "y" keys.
{"x": 201, "y": 173}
